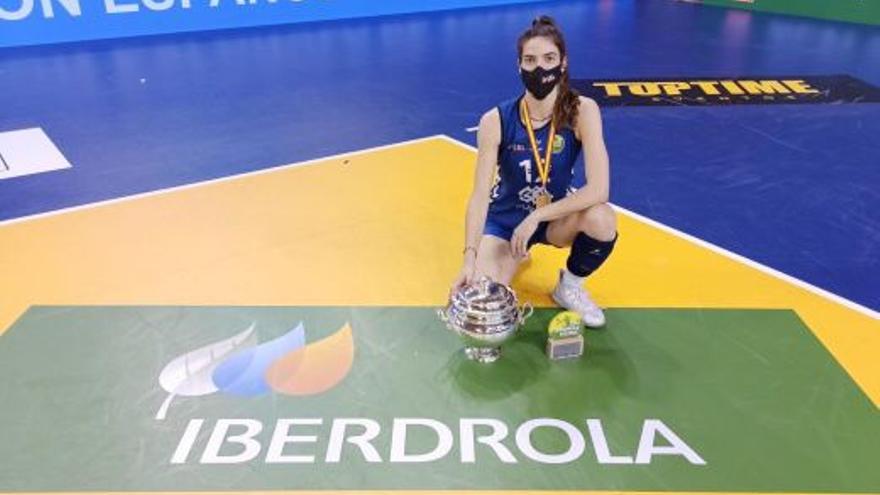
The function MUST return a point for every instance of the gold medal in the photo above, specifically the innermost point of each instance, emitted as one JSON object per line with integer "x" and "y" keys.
{"x": 543, "y": 198}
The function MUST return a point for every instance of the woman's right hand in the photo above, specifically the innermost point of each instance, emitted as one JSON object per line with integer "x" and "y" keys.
{"x": 466, "y": 276}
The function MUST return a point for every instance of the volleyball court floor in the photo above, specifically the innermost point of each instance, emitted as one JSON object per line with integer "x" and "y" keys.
{"x": 233, "y": 286}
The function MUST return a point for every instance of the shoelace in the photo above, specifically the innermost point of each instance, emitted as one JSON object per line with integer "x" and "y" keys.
{"x": 580, "y": 296}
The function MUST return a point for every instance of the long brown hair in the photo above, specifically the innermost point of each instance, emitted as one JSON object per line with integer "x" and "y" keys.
{"x": 565, "y": 110}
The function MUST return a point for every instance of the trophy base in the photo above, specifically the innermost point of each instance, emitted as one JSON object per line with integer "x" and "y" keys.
{"x": 482, "y": 354}
{"x": 566, "y": 347}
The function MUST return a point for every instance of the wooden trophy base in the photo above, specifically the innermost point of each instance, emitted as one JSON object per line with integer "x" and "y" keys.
{"x": 565, "y": 347}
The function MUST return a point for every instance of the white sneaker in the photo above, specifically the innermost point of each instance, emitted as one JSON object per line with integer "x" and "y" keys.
{"x": 575, "y": 298}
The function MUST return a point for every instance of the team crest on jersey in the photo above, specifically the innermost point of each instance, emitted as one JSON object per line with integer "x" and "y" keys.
{"x": 558, "y": 144}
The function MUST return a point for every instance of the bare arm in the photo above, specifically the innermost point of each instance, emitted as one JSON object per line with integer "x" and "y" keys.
{"x": 488, "y": 139}
{"x": 589, "y": 130}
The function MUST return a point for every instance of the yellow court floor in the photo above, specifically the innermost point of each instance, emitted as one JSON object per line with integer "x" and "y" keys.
{"x": 378, "y": 227}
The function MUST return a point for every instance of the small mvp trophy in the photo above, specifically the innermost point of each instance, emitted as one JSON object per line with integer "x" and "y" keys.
{"x": 565, "y": 337}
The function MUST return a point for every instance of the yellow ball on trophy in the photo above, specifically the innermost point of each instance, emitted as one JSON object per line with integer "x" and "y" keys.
{"x": 565, "y": 324}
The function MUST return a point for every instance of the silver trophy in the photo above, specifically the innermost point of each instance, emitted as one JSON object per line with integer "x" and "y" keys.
{"x": 485, "y": 314}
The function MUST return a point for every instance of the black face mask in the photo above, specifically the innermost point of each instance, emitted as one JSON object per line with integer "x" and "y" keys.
{"x": 540, "y": 81}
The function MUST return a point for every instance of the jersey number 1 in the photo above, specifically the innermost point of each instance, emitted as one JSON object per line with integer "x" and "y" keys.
{"x": 527, "y": 168}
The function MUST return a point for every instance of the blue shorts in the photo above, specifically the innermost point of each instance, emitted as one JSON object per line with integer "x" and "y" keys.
{"x": 503, "y": 227}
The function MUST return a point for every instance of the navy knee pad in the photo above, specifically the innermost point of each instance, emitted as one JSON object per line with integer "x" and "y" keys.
{"x": 588, "y": 254}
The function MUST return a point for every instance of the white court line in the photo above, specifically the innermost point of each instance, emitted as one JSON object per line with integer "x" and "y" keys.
{"x": 729, "y": 254}
{"x": 746, "y": 261}
{"x": 276, "y": 168}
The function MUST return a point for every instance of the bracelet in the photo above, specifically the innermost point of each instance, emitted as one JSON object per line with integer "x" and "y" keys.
{"x": 466, "y": 250}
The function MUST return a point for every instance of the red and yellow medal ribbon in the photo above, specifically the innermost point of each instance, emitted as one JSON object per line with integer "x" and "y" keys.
{"x": 543, "y": 165}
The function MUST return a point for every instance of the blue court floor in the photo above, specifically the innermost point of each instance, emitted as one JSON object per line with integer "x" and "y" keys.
{"x": 794, "y": 187}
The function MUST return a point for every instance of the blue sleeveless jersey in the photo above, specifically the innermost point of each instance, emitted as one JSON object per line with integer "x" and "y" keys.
{"x": 517, "y": 181}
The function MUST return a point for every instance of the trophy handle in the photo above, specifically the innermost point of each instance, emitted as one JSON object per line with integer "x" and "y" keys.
{"x": 442, "y": 314}
{"x": 525, "y": 312}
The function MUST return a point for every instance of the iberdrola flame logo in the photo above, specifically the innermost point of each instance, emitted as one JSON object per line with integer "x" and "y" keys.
{"x": 238, "y": 366}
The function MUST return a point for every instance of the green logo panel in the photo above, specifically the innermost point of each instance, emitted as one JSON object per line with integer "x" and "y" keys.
{"x": 244, "y": 398}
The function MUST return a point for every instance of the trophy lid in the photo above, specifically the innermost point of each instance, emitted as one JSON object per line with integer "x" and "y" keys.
{"x": 486, "y": 295}
{"x": 484, "y": 303}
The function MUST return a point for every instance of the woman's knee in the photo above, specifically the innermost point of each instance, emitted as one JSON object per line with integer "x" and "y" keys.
{"x": 494, "y": 259}
{"x": 599, "y": 222}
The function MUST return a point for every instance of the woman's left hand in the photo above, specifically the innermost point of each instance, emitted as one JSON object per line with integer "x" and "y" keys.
{"x": 519, "y": 243}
